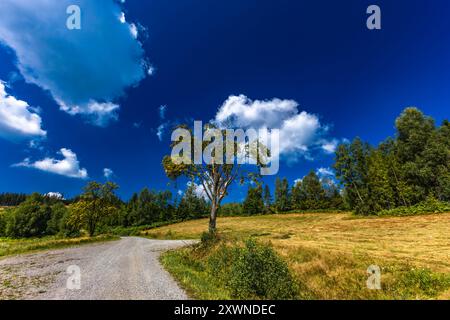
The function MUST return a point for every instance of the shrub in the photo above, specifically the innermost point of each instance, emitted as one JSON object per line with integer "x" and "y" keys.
{"x": 424, "y": 281}
{"x": 28, "y": 220}
{"x": 431, "y": 205}
{"x": 254, "y": 271}
{"x": 55, "y": 224}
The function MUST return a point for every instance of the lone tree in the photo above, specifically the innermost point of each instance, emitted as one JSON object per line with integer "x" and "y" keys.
{"x": 216, "y": 175}
{"x": 97, "y": 202}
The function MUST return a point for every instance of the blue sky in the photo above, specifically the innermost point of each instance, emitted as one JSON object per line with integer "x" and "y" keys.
{"x": 93, "y": 97}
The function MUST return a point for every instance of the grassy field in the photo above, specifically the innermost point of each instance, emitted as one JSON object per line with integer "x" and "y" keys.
{"x": 329, "y": 253}
{"x": 13, "y": 246}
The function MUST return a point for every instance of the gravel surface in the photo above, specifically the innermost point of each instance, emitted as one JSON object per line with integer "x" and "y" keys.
{"x": 127, "y": 269}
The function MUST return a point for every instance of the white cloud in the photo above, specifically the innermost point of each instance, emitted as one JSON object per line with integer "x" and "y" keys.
{"x": 330, "y": 146}
{"x": 300, "y": 132}
{"x": 151, "y": 70}
{"x": 17, "y": 118}
{"x": 122, "y": 18}
{"x": 163, "y": 126}
{"x": 134, "y": 30}
{"x": 160, "y": 131}
{"x": 325, "y": 172}
{"x": 162, "y": 112}
{"x": 55, "y": 195}
{"x": 198, "y": 189}
{"x": 297, "y": 181}
{"x": 69, "y": 166}
{"x": 86, "y": 71}
{"x": 108, "y": 173}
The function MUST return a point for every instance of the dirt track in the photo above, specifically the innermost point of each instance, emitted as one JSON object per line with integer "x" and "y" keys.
{"x": 118, "y": 270}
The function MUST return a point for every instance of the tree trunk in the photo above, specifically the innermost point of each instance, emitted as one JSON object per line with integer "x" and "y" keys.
{"x": 213, "y": 218}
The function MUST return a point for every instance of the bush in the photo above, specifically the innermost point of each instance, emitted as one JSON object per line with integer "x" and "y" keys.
{"x": 431, "y": 205}
{"x": 425, "y": 282}
{"x": 254, "y": 271}
{"x": 208, "y": 239}
{"x": 28, "y": 220}
{"x": 55, "y": 224}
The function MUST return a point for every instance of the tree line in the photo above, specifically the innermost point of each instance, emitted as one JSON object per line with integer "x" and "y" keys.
{"x": 12, "y": 199}
{"x": 402, "y": 171}
{"x": 97, "y": 210}
{"x": 311, "y": 193}
{"x": 406, "y": 170}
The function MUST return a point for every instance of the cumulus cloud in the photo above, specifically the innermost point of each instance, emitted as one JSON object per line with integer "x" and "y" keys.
{"x": 86, "y": 71}
{"x": 69, "y": 166}
{"x": 108, "y": 173}
{"x": 17, "y": 118}
{"x": 300, "y": 131}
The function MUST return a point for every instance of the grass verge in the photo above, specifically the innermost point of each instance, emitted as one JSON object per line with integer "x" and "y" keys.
{"x": 18, "y": 246}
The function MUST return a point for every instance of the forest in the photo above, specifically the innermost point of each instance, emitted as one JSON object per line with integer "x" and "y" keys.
{"x": 406, "y": 174}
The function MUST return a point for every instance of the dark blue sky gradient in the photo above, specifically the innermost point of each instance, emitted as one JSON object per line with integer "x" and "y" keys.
{"x": 318, "y": 53}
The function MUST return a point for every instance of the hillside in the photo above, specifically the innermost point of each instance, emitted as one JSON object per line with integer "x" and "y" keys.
{"x": 329, "y": 253}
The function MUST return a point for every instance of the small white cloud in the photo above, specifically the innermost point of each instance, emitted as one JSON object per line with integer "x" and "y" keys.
{"x": 198, "y": 189}
{"x": 151, "y": 70}
{"x": 17, "y": 118}
{"x": 297, "y": 181}
{"x": 330, "y": 146}
{"x": 108, "y": 173}
{"x": 69, "y": 166}
{"x": 162, "y": 112}
{"x": 122, "y": 17}
{"x": 160, "y": 131}
{"x": 134, "y": 30}
{"x": 100, "y": 114}
{"x": 55, "y": 195}
{"x": 325, "y": 172}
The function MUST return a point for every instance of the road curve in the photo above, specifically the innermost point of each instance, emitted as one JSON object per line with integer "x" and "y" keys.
{"x": 127, "y": 269}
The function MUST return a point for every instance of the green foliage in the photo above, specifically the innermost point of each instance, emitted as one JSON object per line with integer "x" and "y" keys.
{"x": 431, "y": 205}
{"x": 401, "y": 172}
{"x": 254, "y": 203}
{"x": 282, "y": 196}
{"x": 267, "y": 198}
{"x": 192, "y": 206}
{"x": 98, "y": 202}
{"x": 231, "y": 209}
{"x": 28, "y": 220}
{"x": 423, "y": 282}
{"x": 12, "y": 199}
{"x": 253, "y": 271}
{"x": 56, "y": 222}
{"x": 146, "y": 208}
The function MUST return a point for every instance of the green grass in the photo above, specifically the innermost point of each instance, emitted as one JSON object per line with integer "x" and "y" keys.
{"x": 193, "y": 276}
{"x": 18, "y": 246}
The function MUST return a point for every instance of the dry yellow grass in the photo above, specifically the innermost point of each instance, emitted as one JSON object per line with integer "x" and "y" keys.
{"x": 419, "y": 240}
{"x": 329, "y": 253}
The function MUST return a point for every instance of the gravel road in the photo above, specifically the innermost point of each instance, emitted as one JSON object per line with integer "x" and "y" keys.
{"x": 127, "y": 269}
